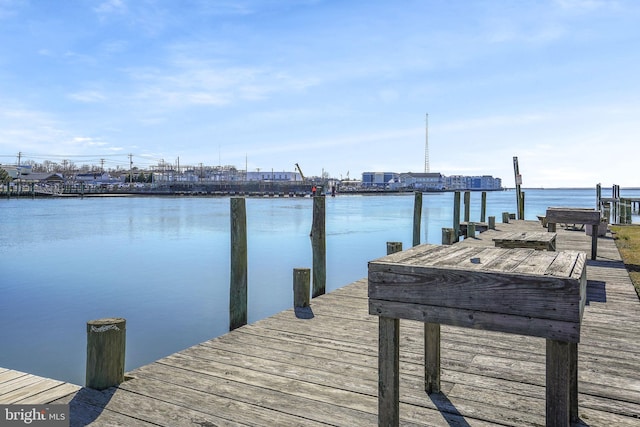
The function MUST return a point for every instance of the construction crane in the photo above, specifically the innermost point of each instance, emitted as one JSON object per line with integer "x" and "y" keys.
{"x": 300, "y": 170}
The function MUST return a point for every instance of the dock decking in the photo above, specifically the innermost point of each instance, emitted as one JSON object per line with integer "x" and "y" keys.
{"x": 286, "y": 371}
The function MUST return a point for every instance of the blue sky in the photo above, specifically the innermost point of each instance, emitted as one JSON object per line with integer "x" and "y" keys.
{"x": 336, "y": 86}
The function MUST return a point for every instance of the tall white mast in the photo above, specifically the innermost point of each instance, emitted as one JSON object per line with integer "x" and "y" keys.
{"x": 426, "y": 146}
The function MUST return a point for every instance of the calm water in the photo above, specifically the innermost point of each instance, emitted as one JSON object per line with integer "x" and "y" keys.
{"x": 163, "y": 264}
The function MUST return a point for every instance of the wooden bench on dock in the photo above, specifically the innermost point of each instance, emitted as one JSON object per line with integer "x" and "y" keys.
{"x": 576, "y": 216}
{"x": 520, "y": 291}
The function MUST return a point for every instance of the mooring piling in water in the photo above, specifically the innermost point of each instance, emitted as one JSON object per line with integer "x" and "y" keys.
{"x": 319, "y": 247}
{"x": 238, "y": 279}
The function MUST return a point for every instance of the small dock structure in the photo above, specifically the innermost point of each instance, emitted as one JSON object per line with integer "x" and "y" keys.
{"x": 288, "y": 371}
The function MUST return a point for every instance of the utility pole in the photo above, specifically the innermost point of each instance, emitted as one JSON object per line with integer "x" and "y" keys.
{"x": 130, "y": 170}
{"x": 426, "y": 146}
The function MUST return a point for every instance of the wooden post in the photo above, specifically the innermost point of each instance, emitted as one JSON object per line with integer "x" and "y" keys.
{"x": 492, "y": 223}
{"x": 505, "y": 217}
{"x": 417, "y": 217}
{"x": 238, "y": 285}
{"x": 319, "y": 247}
{"x": 388, "y": 371}
{"x": 432, "y": 357}
{"x": 573, "y": 381}
{"x": 301, "y": 287}
{"x": 558, "y": 383}
{"x": 471, "y": 230}
{"x": 105, "y": 352}
{"x": 598, "y": 197}
{"x": 448, "y": 236}
{"x": 483, "y": 206}
{"x": 521, "y": 213}
{"x": 606, "y": 211}
{"x": 467, "y": 206}
{"x": 518, "y": 180}
{"x": 393, "y": 247}
{"x": 614, "y": 218}
{"x": 456, "y": 215}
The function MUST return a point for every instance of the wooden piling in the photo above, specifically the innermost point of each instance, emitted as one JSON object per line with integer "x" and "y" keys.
{"x": 456, "y": 215}
{"x": 301, "y": 287}
{"x": 492, "y": 223}
{"x": 319, "y": 247}
{"x": 505, "y": 217}
{"x": 448, "y": 236}
{"x": 483, "y": 206}
{"x": 467, "y": 206}
{"x": 417, "y": 217}
{"x": 393, "y": 247}
{"x": 105, "y": 352}
{"x": 471, "y": 230}
{"x": 521, "y": 213}
{"x": 238, "y": 281}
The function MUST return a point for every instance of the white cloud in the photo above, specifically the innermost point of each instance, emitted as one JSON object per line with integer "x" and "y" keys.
{"x": 89, "y": 96}
{"x": 584, "y": 5}
{"x": 111, "y": 7}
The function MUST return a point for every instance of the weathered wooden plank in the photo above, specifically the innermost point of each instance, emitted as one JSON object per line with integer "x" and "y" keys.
{"x": 525, "y": 325}
{"x": 50, "y": 394}
{"x": 546, "y": 297}
{"x": 568, "y": 215}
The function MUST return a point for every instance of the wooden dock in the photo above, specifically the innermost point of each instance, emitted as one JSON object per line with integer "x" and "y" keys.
{"x": 284, "y": 371}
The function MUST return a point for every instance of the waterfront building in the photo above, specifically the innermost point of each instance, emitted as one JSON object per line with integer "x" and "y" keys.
{"x": 379, "y": 179}
{"x": 273, "y": 176}
{"x": 430, "y": 181}
{"x": 483, "y": 182}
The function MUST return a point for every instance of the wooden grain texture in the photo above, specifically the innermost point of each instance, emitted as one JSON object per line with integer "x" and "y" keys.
{"x": 318, "y": 248}
{"x": 324, "y": 371}
{"x": 417, "y": 217}
{"x": 106, "y": 345}
{"x": 238, "y": 273}
{"x": 535, "y": 240}
{"x": 471, "y": 278}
